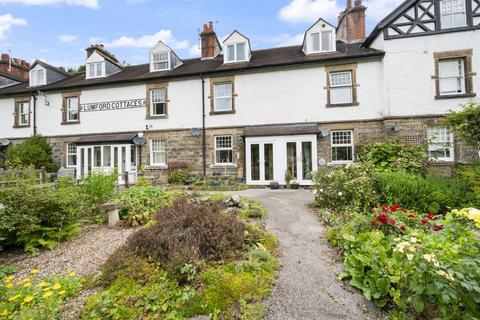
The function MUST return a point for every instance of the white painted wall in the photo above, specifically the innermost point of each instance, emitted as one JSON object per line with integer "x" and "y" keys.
{"x": 409, "y": 66}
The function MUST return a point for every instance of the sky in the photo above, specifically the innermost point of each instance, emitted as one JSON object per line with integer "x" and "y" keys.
{"x": 58, "y": 31}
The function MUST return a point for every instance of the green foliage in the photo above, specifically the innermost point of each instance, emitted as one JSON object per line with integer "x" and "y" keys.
{"x": 288, "y": 176}
{"x": 344, "y": 188}
{"x": 431, "y": 194}
{"x": 177, "y": 177}
{"x": 38, "y": 300}
{"x": 6, "y": 270}
{"x": 251, "y": 209}
{"x": 218, "y": 185}
{"x": 466, "y": 124}
{"x": 471, "y": 174}
{"x": 99, "y": 187}
{"x": 140, "y": 203}
{"x": 392, "y": 156}
{"x": 34, "y": 152}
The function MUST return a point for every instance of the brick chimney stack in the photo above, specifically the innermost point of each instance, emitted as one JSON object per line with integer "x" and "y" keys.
{"x": 210, "y": 46}
{"x": 15, "y": 67}
{"x": 351, "y": 22}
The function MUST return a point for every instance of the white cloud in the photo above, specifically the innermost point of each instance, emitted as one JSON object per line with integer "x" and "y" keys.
{"x": 67, "y": 38}
{"x": 310, "y": 11}
{"x": 195, "y": 51}
{"x": 148, "y": 41}
{"x": 283, "y": 40}
{"x": 7, "y": 21}
{"x": 85, "y": 3}
{"x": 379, "y": 9}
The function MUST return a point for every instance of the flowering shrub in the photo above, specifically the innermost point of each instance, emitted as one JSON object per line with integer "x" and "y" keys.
{"x": 469, "y": 213}
{"x": 416, "y": 264}
{"x": 33, "y": 299}
{"x": 342, "y": 188}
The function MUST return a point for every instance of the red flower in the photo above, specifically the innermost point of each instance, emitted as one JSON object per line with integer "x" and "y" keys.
{"x": 423, "y": 221}
{"x": 437, "y": 228}
{"x": 430, "y": 216}
{"x": 403, "y": 228}
{"x": 412, "y": 216}
{"x": 385, "y": 208}
{"x": 392, "y": 222}
{"x": 382, "y": 218}
{"x": 405, "y": 211}
{"x": 374, "y": 223}
{"x": 395, "y": 207}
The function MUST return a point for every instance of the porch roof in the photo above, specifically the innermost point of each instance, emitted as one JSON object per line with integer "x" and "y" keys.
{"x": 107, "y": 138}
{"x": 261, "y": 131}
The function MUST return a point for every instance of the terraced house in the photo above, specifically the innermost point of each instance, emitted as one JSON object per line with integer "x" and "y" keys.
{"x": 258, "y": 113}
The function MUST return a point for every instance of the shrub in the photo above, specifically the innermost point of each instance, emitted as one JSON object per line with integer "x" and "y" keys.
{"x": 343, "y": 188}
{"x": 34, "y": 152}
{"x": 184, "y": 233}
{"x": 393, "y": 156}
{"x": 431, "y": 194}
{"x": 29, "y": 299}
{"x": 140, "y": 203}
{"x": 99, "y": 187}
{"x": 177, "y": 177}
{"x": 466, "y": 124}
{"x": 471, "y": 174}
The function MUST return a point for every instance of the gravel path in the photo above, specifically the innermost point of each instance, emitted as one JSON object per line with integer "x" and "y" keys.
{"x": 308, "y": 287}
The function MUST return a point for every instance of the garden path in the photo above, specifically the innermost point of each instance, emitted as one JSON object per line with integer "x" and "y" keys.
{"x": 308, "y": 287}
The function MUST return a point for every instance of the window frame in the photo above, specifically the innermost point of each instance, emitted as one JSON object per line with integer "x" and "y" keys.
{"x": 341, "y": 145}
{"x": 160, "y": 61}
{"x": 65, "y": 108}
{"x": 216, "y": 148}
{"x": 149, "y": 102}
{"x": 18, "y": 102}
{"x": 213, "y": 98}
{"x": 451, "y": 15}
{"x": 68, "y": 153}
{"x": 25, "y": 113}
{"x": 466, "y": 56}
{"x": 451, "y": 148}
{"x": 152, "y": 152}
{"x": 95, "y": 66}
{"x": 460, "y": 64}
{"x": 162, "y": 101}
{"x": 320, "y": 34}
{"x": 235, "y": 52}
{"x": 69, "y": 110}
{"x": 352, "y": 69}
{"x": 35, "y": 79}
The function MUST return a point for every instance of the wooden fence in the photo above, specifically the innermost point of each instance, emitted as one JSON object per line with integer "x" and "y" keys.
{"x": 10, "y": 178}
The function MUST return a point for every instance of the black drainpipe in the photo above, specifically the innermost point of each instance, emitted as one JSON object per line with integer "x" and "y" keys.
{"x": 34, "y": 113}
{"x": 204, "y": 142}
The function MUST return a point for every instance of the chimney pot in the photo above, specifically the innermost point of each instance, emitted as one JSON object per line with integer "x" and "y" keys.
{"x": 5, "y": 57}
{"x": 358, "y": 3}
{"x": 351, "y": 23}
{"x": 349, "y": 4}
{"x": 210, "y": 47}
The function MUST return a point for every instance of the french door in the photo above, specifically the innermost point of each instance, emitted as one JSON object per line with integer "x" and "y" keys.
{"x": 270, "y": 158}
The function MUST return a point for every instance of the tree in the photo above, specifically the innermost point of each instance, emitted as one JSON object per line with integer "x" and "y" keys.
{"x": 35, "y": 152}
{"x": 466, "y": 124}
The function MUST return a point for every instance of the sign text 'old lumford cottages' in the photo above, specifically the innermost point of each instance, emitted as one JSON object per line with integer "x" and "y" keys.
{"x": 113, "y": 105}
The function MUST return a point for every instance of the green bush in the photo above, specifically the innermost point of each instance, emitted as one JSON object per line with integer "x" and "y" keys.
{"x": 140, "y": 203}
{"x": 393, "y": 156}
{"x": 177, "y": 177}
{"x": 471, "y": 174}
{"x": 99, "y": 187}
{"x": 431, "y": 194}
{"x": 34, "y": 152}
{"x": 344, "y": 188}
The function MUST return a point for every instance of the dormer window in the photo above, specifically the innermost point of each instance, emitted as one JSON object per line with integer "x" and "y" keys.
{"x": 236, "y": 52}
{"x": 160, "y": 61}
{"x": 95, "y": 70}
{"x": 37, "y": 77}
{"x": 322, "y": 41}
{"x": 320, "y": 37}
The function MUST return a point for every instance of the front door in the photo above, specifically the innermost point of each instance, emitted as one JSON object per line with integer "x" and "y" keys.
{"x": 300, "y": 161}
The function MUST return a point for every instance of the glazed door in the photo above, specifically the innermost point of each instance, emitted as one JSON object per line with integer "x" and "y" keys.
{"x": 300, "y": 159}
{"x": 261, "y": 162}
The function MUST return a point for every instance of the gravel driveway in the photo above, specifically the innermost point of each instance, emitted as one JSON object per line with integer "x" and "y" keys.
{"x": 308, "y": 287}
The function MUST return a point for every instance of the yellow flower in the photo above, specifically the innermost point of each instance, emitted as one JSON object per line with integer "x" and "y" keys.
{"x": 28, "y": 284}
{"x": 10, "y": 285}
{"x": 28, "y": 299}
{"x": 4, "y": 312}
{"x": 15, "y": 297}
{"x": 47, "y": 289}
{"x": 28, "y": 279}
{"x": 72, "y": 274}
{"x": 34, "y": 271}
{"x": 10, "y": 278}
{"x": 56, "y": 286}
{"x": 62, "y": 292}
{"x": 447, "y": 275}
{"x": 409, "y": 257}
{"x": 42, "y": 284}
{"x": 48, "y": 294}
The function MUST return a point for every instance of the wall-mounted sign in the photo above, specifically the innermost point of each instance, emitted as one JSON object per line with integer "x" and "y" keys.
{"x": 113, "y": 105}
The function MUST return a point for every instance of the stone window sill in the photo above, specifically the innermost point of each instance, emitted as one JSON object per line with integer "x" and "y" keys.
{"x": 223, "y": 166}
{"x": 70, "y": 122}
{"x": 156, "y": 167}
{"x": 19, "y": 126}
{"x": 157, "y": 117}
{"x": 456, "y": 96}
{"x": 353, "y": 104}
{"x": 214, "y": 113}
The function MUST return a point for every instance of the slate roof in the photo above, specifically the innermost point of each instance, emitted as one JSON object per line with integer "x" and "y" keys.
{"x": 13, "y": 77}
{"x": 49, "y": 66}
{"x": 267, "y": 58}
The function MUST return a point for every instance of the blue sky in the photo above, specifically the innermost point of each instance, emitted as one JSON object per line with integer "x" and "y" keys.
{"x": 58, "y": 31}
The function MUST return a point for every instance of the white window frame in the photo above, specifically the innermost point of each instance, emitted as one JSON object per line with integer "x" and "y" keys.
{"x": 152, "y": 102}
{"x": 235, "y": 49}
{"x": 460, "y": 76}
{"x": 334, "y": 87}
{"x": 215, "y": 98}
{"x": 162, "y": 148}
{"x": 71, "y": 153}
{"x": 320, "y": 42}
{"x": 167, "y": 60}
{"x": 24, "y": 112}
{"x": 216, "y": 148}
{"x": 434, "y": 145}
{"x": 452, "y": 5}
{"x": 70, "y": 109}
{"x": 95, "y": 70}
{"x": 36, "y": 80}
{"x": 333, "y": 145}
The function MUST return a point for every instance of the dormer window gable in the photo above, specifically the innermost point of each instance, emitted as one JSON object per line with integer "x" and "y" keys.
{"x": 237, "y": 48}
{"x": 162, "y": 58}
{"x": 95, "y": 66}
{"x": 319, "y": 38}
{"x": 41, "y": 74}
{"x": 100, "y": 62}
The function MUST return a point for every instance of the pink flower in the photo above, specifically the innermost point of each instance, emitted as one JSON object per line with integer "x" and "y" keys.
{"x": 430, "y": 216}
{"x": 395, "y": 207}
{"x": 382, "y": 218}
{"x": 385, "y": 208}
{"x": 403, "y": 228}
{"x": 392, "y": 221}
{"x": 374, "y": 223}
